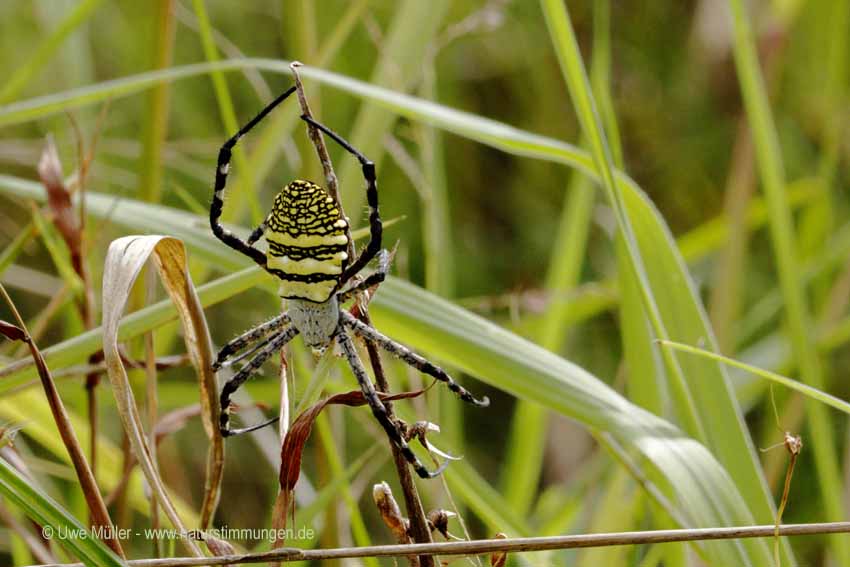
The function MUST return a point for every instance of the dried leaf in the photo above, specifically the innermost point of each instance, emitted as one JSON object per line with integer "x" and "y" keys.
{"x": 12, "y": 332}
{"x": 124, "y": 261}
{"x": 59, "y": 201}
{"x": 299, "y": 432}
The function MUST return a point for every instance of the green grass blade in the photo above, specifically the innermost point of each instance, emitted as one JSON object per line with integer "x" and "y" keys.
{"x": 804, "y": 389}
{"x": 54, "y": 519}
{"x": 530, "y": 423}
{"x": 569, "y": 56}
{"x": 646, "y": 380}
{"x": 672, "y": 309}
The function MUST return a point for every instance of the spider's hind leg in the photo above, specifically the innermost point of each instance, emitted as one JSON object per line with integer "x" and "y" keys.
{"x": 378, "y": 408}
{"x": 251, "y": 368}
{"x": 411, "y": 358}
{"x": 248, "y": 338}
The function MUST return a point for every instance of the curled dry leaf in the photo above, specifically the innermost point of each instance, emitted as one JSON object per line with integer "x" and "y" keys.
{"x": 299, "y": 432}
{"x": 124, "y": 261}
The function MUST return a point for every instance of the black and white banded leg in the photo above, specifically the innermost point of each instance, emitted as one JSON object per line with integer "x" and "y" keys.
{"x": 405, "y": 354}
{"x": 378, "y": 408}
{"x": 256, "y": 234}
{"x": 371, "y": 280}
{"x": 375, "y": 225}
{"x": 250, "y": 368}
{"x": 221, "y": 171}
{"x": 248, "y": 338}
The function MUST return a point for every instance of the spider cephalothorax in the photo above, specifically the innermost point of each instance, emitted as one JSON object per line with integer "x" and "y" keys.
{"x": 307, "y": 237}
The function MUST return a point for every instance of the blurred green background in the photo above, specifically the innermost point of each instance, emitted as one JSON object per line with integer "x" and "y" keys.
{"x": 509, "y": 235}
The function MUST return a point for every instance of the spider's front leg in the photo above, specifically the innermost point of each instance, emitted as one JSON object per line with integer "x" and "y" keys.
{"x": 221, "y": 171}
{"x": 250, "y": 368}
{"x": 405, "y": 354}
{"x": 248, "y": 338}
{"x": 378, "y": 408}
{"x": 375, "y": 224}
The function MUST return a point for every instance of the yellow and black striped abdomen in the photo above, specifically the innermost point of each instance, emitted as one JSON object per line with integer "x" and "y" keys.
{"x": 307, "y": 242}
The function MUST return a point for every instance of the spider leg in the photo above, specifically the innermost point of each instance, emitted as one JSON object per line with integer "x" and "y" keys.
{"x": 248, "y": 338}
{"x": 256, "y": 234}
{"x": 246, "y": 372}
{"x": 247, "y": 354}
{"x": 378, "y": 408}
{"x": 221, "y": 171}
{"x": 375, "y": 225}
{"x": 371, "y": 280}
{"x": 410, "y": 357}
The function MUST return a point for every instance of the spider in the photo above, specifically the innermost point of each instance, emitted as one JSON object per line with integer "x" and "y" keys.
{"x": 307, "y": 239}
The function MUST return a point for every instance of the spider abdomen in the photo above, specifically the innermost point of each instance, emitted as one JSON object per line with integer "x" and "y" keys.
{"x": 307, "y": 242}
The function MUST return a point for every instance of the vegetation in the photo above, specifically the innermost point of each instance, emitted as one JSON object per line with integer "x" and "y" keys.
{"x": 572, "y": 188}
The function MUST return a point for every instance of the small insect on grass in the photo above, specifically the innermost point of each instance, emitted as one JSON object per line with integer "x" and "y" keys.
{"x": 307, "y": 237}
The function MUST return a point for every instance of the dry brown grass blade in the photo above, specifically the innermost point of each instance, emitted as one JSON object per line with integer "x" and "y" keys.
{"x": 124, "y": 261}
{"x": 59, "y": 202}
{"x": 88, "y": 484}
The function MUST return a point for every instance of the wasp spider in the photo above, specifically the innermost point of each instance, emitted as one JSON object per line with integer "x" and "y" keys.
{"x": 306, "y": 233}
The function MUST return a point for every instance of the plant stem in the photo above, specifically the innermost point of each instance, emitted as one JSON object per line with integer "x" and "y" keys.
{"x": 415, "y": 512}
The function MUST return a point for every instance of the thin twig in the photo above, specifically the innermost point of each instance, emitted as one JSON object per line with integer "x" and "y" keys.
{"x": 413, "y": 504}
{"x": 513, "y": 545}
